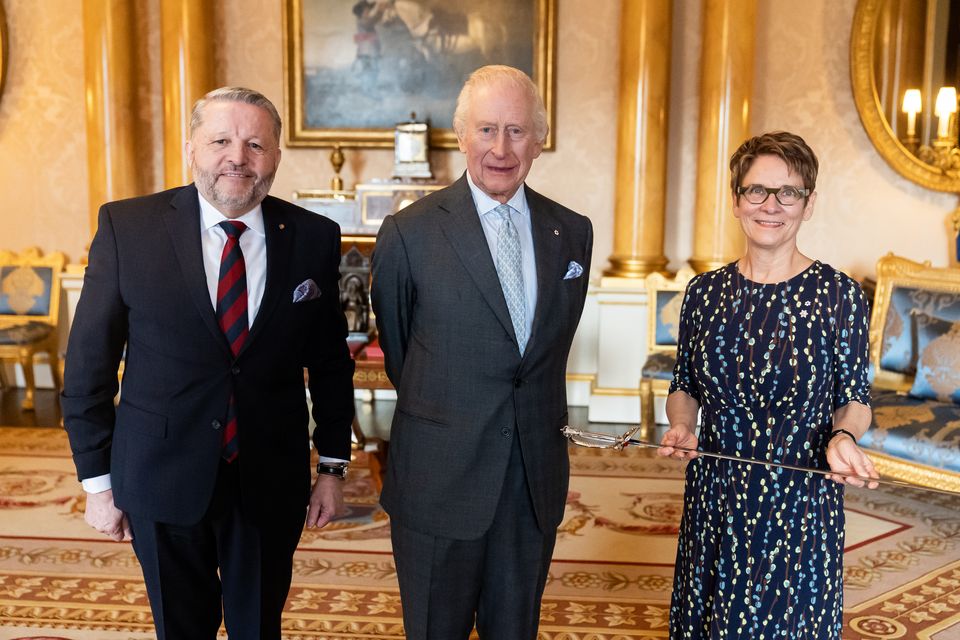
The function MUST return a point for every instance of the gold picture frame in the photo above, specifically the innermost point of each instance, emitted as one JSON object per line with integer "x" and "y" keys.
{"x": 353, "y": 69}
{"x": 3, "y": 49}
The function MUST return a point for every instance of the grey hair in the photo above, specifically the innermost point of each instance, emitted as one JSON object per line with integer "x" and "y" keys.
{"x": 235, "y": 94}
{"x": 493, "y": 74}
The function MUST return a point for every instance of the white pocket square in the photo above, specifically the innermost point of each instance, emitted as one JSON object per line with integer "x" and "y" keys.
{"x": 574, "y": 270}
{"x": 306, "y": 290}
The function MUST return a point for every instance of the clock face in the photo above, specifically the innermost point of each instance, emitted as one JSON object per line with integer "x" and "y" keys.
{"x": 411, "y": 146}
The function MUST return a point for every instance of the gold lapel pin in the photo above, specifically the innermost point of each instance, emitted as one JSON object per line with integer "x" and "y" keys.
{"x": 282, "y": 226}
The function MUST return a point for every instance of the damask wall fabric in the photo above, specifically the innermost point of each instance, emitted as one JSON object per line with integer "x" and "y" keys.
{"x": 938, "y": 365}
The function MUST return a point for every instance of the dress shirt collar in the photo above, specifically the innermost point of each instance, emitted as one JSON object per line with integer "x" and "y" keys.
{"x": 485, "y": 204}
{"x": 211, "y": 217}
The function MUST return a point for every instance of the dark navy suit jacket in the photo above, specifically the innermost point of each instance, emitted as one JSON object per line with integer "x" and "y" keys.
{"x": 145, "y": 296}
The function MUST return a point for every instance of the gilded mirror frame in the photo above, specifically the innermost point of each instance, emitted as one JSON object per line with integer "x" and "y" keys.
{"x": 867, "y": 99}
{"x": 3, "y": 49}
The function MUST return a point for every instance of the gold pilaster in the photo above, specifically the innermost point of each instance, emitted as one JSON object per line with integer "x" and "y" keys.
{"x": 639, "y": 209}
{"x": 187, "y": 69}
{"x": 108, "y": 77}
{"x": 726, "y": 81}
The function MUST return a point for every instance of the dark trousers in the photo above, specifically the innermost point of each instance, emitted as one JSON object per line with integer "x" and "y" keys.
{"x": 495, "y": 581}
{"x": 224, "y": 563}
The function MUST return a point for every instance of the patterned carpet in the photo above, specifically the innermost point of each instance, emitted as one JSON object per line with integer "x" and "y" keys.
{"x": 610, "y": 579}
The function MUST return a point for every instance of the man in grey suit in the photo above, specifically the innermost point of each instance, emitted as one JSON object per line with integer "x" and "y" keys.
{"x": 478, "y": 289}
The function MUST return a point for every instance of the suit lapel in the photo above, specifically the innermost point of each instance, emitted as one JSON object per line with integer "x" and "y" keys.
{"x": 182, "y": 221}
{"x": 546, "y": 246}
{"x": 465, "y": 233}
{"x": 279, "y": 239}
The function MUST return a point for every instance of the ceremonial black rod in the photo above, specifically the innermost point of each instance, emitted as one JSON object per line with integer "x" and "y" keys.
{"x": 594, "y": 440}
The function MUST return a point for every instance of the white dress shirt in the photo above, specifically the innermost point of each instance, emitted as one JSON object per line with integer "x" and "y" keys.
{"x": 520, "y": 215}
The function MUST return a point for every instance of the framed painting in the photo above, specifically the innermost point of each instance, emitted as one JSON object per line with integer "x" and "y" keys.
{"x": 353, "y": 69}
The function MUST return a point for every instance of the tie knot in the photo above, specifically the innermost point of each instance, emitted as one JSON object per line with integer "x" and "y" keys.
{"x": 233, "y": 228}
{"x": 503, "y": 211}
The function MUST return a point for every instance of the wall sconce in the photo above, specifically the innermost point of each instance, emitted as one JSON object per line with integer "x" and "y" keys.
{"x": 942, "y": 152}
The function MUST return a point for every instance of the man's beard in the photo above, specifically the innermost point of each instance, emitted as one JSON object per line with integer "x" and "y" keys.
{"x": 243, "y": 202}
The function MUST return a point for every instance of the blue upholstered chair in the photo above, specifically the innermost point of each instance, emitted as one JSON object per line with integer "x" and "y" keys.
{"x": 29, "y": 308}
{"x": 915, "y": 360}
{"x": 664, "y": 299}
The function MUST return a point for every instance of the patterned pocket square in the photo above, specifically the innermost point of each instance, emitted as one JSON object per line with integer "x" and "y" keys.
{"x": 574, "y": 270}
{"x": 306, "y": 290}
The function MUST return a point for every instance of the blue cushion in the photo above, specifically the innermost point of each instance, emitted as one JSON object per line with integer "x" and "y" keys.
{"x": 915, "y": 430}
{"x": 25, "y": 333}
{"x": 659, "y": 366}
{"x": 667, "y": 317}
{"x": 898, "y": 351}
{"x": 25, "y": 291}
{"x": 938, "y": 367}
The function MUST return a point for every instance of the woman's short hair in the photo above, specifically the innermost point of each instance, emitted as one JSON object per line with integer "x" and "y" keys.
{"x": 235, "y": 94}
{"x": 789, "y": 147}
{"x": 492, "y": 74}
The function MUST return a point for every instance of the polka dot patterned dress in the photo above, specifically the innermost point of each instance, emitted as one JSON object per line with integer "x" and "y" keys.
{"x": 760, "y": 549}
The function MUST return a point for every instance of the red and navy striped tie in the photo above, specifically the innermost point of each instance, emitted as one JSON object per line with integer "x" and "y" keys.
{"x": 232, "y": 317}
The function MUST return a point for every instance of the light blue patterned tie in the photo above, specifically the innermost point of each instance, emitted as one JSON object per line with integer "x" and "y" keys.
{"x": 510, "y": 271}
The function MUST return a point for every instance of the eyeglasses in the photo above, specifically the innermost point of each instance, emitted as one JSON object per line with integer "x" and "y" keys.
{"x": 786, "y": 195}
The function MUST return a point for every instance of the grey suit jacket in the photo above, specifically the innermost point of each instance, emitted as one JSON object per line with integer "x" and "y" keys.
{"x": 464, "y": 391}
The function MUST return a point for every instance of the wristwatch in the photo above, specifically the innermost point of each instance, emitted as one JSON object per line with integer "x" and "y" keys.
{"x": 337, "y": 469}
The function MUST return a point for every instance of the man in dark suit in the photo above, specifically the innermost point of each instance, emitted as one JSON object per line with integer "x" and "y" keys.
{"x": 478, "y": 289}
{"x": 216, "y": 296}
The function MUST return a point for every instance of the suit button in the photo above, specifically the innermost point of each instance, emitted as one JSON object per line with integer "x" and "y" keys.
{"x": 505, "y": 432}
{"x": 215, "y": 425}
{"x": 518, "y": 382}
{"x": 235, "y": 371}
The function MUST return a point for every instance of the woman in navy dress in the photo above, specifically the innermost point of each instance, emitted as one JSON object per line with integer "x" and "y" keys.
{"x": 773, "y": 350}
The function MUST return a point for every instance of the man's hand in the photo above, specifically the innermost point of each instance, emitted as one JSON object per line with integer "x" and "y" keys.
{"x": 326, "y": 501}
{"x": 103, "y": 515}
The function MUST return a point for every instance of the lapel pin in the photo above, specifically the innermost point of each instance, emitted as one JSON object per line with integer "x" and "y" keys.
{"x": 282, "y": 226}
{"x": 556, "y": 232}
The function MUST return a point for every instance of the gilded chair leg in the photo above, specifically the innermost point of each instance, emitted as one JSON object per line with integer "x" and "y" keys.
{"x": 646, "y": 409}
{"x": 361, "y": 440}
{"x": 55, "y": 372}
{"x": 26, "y": 362}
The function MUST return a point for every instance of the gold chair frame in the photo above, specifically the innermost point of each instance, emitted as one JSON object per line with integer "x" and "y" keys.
{"x": 650, "y": 388}
{"x": 24, "y": 353}
{"x": 892, "y": 272}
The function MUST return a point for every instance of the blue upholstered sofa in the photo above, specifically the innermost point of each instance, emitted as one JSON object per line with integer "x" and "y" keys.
{"x": 915, "y": 362}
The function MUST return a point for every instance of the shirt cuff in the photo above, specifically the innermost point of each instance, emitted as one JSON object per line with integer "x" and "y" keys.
{"x": 329, "y": 459}
{"x": 97, "y": 484}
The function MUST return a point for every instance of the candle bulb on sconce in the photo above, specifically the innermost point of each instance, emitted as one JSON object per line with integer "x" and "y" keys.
{"x": 946, "y": 107}
{"x": 912, "y": 105}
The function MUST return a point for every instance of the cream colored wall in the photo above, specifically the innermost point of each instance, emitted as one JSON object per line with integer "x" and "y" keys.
{"x": 43, "y": 161}
{"x": 864, "y": 208}
{"x": 802, "y": 83}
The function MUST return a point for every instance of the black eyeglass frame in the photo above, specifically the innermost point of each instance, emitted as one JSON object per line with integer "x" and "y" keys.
{"x": 742, "y": 190}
